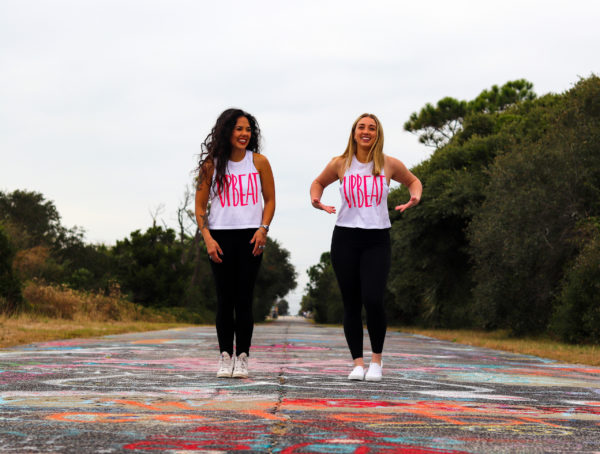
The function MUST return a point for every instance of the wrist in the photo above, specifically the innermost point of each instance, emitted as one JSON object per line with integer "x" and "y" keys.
{"x": 206, "y": 236}
{"x": 265, "y": 228}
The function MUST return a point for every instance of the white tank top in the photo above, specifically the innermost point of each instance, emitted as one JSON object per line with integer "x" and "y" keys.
{"x": 364, "y": 198}
{"x": 240, "y": 207}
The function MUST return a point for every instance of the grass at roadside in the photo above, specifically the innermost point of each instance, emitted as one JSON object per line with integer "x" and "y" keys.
{"x": 500, "y": 340}
{"x": 26, "y": 329}
{"x": 54, "y": 312}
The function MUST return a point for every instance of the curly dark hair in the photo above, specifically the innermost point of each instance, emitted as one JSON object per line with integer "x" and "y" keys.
{"x": 217, "y": 145}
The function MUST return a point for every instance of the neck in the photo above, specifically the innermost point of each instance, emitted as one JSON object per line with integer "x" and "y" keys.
{"x": 237, "y": 154}
{"x": 362, "y": 154}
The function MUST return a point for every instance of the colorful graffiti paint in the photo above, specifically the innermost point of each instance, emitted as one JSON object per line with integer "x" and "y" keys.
{"x": 158, "y": 392}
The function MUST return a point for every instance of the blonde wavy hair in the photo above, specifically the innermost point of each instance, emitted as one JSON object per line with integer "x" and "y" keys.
{"x": 376, "y": 151}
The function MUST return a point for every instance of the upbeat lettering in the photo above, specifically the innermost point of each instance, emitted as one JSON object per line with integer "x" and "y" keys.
{"x": 363, "y": 190}
{"x": 240, "y": 190}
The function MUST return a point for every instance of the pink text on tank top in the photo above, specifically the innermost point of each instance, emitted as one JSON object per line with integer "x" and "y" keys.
{"x": 234, "y": 194}
{"x": 363, "y": 190}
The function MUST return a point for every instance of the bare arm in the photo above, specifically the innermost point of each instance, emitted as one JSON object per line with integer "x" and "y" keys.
{"x": 327, "y": 176}
{"x": 268, "y": 191}
{"x": 202, "y": 195}
{"x": 398, "y": 172}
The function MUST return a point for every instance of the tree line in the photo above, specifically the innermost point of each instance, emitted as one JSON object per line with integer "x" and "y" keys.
{"x": 160, "y": 267}
{"x": 507, "y": 235}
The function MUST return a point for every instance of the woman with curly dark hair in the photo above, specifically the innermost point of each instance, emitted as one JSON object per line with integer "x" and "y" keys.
{"x": 233, "y": 181}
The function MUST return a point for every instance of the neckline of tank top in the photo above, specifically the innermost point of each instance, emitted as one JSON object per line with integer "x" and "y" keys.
{"x": 229, "y": 161}
{"x": 355, "y": 160}
{"x": 365, "y": 164}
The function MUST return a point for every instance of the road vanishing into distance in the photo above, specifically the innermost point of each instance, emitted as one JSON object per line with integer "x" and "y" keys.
{"x": 157, "y": 391}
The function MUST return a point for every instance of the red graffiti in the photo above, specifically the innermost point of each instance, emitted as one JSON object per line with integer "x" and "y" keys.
{"x": 372, "y": 448}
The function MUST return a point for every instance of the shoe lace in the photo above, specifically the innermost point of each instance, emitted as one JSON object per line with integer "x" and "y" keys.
{"x": 242, "y": 361}
{"x": 224, "y": 362}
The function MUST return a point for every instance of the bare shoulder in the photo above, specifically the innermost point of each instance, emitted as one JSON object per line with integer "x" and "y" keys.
{"x": 260, "y": 161}
{"x": 336, "y": 163}
{"x": 394, "y": 167}
{"x": 205, "y": 174}
{"x": 336, "y": 167}
{"x": 393, "y": 163}
{"x": 396, "y": 170}
{"x": 208, "y": 164}
{"x": 260, "y": 158}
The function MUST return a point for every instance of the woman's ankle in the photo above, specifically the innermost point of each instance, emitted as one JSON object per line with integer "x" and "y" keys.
{"x": 376, "y": 358}
{"x": 359, "y": 362}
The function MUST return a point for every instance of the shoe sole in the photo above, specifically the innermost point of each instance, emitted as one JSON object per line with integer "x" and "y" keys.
{"x": 239, "y": 376}
{"x": 373, "y": 378}
{"x": 356, "y": 378}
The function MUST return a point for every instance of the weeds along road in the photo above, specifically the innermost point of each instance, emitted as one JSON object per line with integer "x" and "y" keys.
{"x": 157, "y": 391}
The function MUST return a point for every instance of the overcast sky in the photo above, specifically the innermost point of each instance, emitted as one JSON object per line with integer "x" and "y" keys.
{"x": 104, "y": 104}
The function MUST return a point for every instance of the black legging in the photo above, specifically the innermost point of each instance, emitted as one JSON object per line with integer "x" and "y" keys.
{"x": 361, "y": 261}
{"x": 234, "y": 279}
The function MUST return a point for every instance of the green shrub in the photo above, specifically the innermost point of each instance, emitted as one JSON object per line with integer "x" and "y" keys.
{"x": 577, "y": 314}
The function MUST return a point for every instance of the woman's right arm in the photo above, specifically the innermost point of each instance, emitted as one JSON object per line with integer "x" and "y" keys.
{"x": 202, "y": 194}
{"x": 327, "y": 176}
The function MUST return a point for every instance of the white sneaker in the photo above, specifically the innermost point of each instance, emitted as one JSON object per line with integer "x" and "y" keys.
{"x": 241, "y": 366}
{"x": 374, "y": 372}
{"x": 358, "y": 373}
{"x": 226, "y": 363}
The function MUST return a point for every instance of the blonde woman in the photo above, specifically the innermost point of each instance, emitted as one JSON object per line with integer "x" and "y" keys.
{"x": 360, "y": 245}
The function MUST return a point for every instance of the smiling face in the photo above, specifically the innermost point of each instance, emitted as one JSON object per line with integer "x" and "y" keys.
{"x": 240, "y": 136}
{"x": 365, "y": 133}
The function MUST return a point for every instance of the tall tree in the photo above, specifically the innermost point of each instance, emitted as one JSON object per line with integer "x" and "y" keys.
{"x": 283, "y": 307}
{"x": 436, "y": 125}
{"x": 526, "y": 233}
{"x": 149, "y": 267}
{"x": 431, "y": 278}
{"x": 276, "y": 278}
{"x": 498, "y": 99}
{"x": 37, "y": 219}
{"x": 323, "y": 298}
{"x": 34, "y": 226}
{"x": 10, "y": 287}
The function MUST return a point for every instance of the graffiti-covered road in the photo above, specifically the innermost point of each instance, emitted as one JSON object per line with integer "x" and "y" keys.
{"x": 157, "y": 391}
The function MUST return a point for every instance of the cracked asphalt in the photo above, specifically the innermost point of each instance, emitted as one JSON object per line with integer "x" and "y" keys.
{"x": 157, "y": 391}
